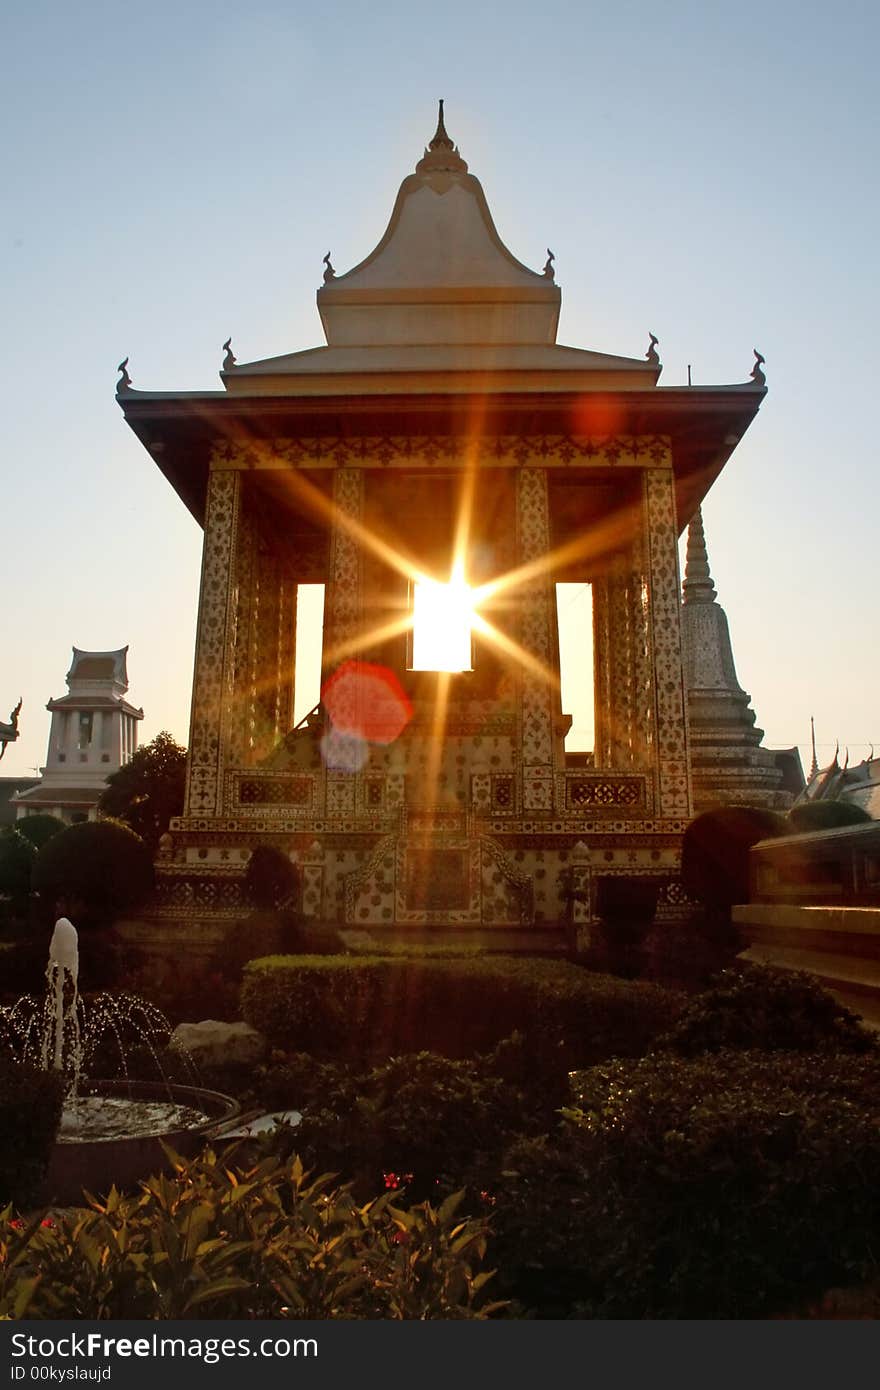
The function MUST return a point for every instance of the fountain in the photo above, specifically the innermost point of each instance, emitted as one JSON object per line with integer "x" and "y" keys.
{"x": 111, "y": 1130}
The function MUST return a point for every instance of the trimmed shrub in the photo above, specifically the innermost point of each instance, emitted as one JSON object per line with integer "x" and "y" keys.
{"x": 30, "y": 1112}
{"x": 729, "y": 1185}
{"x": 374, "y": 1008}
{"x": 687, "y": 954}
{"x": 262, "y": 1242}
{"x": 825, "y": 815}
{"x": 23, "y": 966}
{"x": 39, "y": 828}
{"x": 422, "y": 1122}
{"x": 755, "y": 1006}
{"x": 271, "y": 880}
{"x": 265, "y": 932}
{"x": 715, "y": 853}
{"x": 17, "y": 855}
{"x": 100, "y": 869}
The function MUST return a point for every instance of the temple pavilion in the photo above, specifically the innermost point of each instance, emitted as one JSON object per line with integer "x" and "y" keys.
{"x": 439, "y": 465}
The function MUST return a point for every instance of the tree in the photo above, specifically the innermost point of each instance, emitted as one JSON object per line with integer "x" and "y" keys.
{"x": 39, "y": 828}
{"x": 149, "y": 790}
{"x": 98, "y": 870}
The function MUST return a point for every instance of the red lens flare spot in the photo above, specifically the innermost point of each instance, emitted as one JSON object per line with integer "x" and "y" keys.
{"x": 366, "y": 701}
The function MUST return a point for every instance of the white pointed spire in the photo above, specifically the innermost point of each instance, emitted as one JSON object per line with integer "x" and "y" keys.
{"x": 697, "y": 586}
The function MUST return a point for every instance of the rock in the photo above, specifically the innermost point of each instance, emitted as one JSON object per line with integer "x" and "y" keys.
{"x": 214, "y": 1044}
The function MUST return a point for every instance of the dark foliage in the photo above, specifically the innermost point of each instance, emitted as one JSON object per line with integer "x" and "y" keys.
{"x": 266, "y": 932}
{"x": 826, "y": 815}
{"x": 421, "y": 1122}
{"x": 688, "y": 954}
{"x": 17, "y": 856}
{"x": 715, "y": 853}
{"x": 271, "y": 880}
{"x": 39, "y": 828}
{"x": 148, "y": 790}
{"x": 371, "y": 1008}
{"x": 99, "y": 869}
{"x": 754, "y": 1006}
{"x": 30, "y": 1111}
{"x": 729, "y": 1185}
{"x": 23, "y": 966}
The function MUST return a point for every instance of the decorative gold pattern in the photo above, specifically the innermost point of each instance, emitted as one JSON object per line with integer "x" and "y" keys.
{"x": 447, "y": 450}
{"x": 583, "y": 793}
{"x": 665, "y": 590}
{"x": 536, "y": 637}
{"x": 215, "y": 642}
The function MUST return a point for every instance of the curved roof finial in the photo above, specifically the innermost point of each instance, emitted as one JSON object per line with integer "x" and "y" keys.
{"x": 652, "y": 354}
{"x": 229, "y": 359}
{"x": 757, "y": 373}
{"x": 124, "y": 382}
{"x": 441, "y": 155}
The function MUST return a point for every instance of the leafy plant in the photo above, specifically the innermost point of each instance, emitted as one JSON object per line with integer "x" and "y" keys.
{"x": 265, "y": 1241}
{"x": 39, "y": 828}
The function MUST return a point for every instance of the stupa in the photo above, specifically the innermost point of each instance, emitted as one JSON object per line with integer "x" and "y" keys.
{"x": 729, "y": 765}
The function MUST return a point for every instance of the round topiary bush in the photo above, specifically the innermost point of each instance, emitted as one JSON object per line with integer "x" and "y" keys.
{"x": 755, "y": 1006}
{"x": 826, "y": 815}
{"x": 715, "y": 853}
{"x": 98, "y": 870}
{"x": 40, "y": 828}
{"x": 271, "y": 881}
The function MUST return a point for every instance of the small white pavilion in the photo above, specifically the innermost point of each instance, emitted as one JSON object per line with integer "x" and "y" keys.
{"x": 93, "y": 734}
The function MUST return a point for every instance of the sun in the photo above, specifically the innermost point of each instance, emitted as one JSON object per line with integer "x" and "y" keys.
{"x": 443, "y": 619}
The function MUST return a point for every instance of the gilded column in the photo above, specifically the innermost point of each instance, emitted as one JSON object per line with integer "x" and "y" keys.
{"x": 538, "y": 638}
{"x": 344, "y": 583}
{"x": 664, "y": 589}
{"x": 213, "y": 677}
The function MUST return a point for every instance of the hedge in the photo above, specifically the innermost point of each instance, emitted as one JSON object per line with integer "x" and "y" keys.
{"x": 372, "y": 1008}
{"x": 757, "y": 1007}
{"x": 30, "y": 1112}
{"x": 729, "y": 1185}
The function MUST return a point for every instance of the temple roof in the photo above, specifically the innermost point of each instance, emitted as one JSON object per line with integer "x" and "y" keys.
{"x": 439, "y": 322}
{"x": 439, "y": 293}
{"x": 99, "y": 666}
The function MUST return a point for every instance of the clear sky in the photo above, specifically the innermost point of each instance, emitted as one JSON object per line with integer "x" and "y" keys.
{"x": 174, "y": 173}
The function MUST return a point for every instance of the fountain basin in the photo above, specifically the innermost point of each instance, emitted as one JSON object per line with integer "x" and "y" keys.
{"x": 90, "y": 1152}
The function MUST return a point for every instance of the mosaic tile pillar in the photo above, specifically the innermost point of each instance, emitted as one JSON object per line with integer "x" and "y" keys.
{"x": 343, "y": 605}
{"x": 538, "y": 637}
{"x": 664, "y": 590}
{"x": 603, "y": 738}
{"x": 214, "y": 675}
